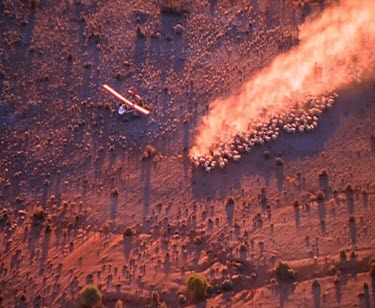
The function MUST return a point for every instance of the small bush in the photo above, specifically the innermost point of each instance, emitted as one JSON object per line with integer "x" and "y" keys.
{"x": 227, "y": 285}
{"x": 229, "y": 202}
{"x": 342, "y": 255}
{"x": 114, "y": 192}
{"x": 34, "y": 4}
{"x": 283, "y": 272}
{"x": 279, "y": 161}
{"x": 348, "y": 188}
{"x": 332, "y": 270}
{"x": 181, "y": 299}
{"x": 316, "y": 284}
{"x": 149, "y": 152}
{"x": 128, "y": 232}
{"x": 198, "y": 284}
{"x": 320, "y": 196}
{"x": 90, "y": 295}
{"x": 39, "y": 214}
{"x": 243, "y": 248}
{"x": 176, "y": 7}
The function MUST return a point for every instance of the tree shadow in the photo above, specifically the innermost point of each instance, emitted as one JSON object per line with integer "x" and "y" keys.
{"x": 167, "y": 265}
{"x": 229, "y": 209}
{"x": 350, "y": 202}
{"x": 324, "y": 184}
{"x": 127, "y": 246}
{"x": 316, "y": 290}
{"x": 176, "y": 46}
{"x": 353, "y": 232}
{"x": 373, "y": 289}
{"x": 285, "y": 289}
{"x": 367, "y": 301}
{"x": 45, "y": 246}
{"x": 213, "y": 4}
{"x": 365, "y": 200}
{"x": 140, "y": 51}
{"x": 297, "y": 216}
{"x": 146, "y": 179}
{"x": 321, "y": 210}
{"x": 185, "y": 154}
{"x": 114, "y": 206}
{"x": 338, "y": 292}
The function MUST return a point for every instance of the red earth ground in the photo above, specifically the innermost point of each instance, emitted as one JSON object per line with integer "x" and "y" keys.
{"x": 72, "y": 179}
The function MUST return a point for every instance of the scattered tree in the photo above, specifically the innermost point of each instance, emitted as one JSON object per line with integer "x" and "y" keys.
{"x": 90, "y": 295}
{"x": 198, "y": 284}
{"x": 283, "y": 272}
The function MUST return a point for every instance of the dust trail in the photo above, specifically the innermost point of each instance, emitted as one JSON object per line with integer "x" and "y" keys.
{"x": 339, "y": 45}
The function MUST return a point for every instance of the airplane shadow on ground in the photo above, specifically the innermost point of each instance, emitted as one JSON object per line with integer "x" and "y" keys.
{"x": 219, "y": 183}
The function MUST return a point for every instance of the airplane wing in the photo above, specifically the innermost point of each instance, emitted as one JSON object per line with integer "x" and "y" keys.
{"x": 126, "y": 101}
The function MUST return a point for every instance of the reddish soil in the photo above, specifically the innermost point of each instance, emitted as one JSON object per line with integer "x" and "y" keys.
{"x": 72, "y": 178}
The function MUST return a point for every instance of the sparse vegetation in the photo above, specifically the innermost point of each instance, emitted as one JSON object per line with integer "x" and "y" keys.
{"x": 332, "y": 270}
{"x": 279, "y": 161}
{"x": 320, "y": 196}
{"x": 283, "y": 272}
{"x": 149, "y": 152}
{"x": 198, "y": 284}
{"x": 343, "y": 255}
{"x": 176, "y": 7}
{"x": 229, "y": 202}
{"x": 349, "y": 189}
{"x": 128, "y": 232}
{"x": 90, "y": 295}
{"x": 114, "y": 192}
{"x": 227, "y": 285}
{"x": 39, "y": 214}
{"x": 316, "y": 284}
{"x": 34, "y": 4}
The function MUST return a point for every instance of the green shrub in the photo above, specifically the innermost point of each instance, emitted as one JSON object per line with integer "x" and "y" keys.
{"x": 198, "y": 284}
{"x": 90, "y": 295}
{"x": 283, "y": 272}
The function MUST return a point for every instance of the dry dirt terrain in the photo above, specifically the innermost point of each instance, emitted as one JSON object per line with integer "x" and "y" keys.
{"x": 80, "y": 206}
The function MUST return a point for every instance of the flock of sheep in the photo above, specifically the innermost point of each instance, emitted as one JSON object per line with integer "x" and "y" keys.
{"x": 295, "y": 120}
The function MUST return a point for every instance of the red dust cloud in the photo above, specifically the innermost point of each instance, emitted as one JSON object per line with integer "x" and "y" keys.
{"x": 334, "y": 50}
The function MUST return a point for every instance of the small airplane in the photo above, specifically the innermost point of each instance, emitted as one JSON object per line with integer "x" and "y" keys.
{"x": 135, "y": 102}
